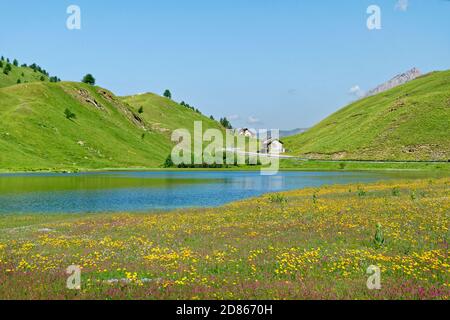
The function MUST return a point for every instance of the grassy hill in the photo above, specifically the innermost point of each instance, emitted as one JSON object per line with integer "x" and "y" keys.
{"x": 165, "y": 115}
{"x": 410, "y": 122}
{"x": 35, "y": 133}
{"x": 23, "y": 74}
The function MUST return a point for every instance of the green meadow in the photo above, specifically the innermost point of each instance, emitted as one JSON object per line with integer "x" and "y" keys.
{"x": 20, "y": 74}
{"x": 315, "y": 243}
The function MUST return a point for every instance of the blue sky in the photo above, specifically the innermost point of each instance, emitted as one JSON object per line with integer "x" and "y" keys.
{"x": 267, "y": 63}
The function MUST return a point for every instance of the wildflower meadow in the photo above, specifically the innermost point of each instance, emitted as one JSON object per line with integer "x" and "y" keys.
{"x": 315, "y": 243}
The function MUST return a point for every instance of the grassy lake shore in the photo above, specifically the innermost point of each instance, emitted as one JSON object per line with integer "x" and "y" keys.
{"x": 285, "y": 165}
{"x": 314, "y": 243}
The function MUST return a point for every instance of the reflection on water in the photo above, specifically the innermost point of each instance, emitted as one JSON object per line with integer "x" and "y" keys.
{"x": 141, "y": 191}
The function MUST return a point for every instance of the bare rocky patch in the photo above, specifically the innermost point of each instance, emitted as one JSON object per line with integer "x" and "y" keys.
{"x": 124, "y": 109}
{"x": 87, "y": 97}
{"x": 433, "y": 152}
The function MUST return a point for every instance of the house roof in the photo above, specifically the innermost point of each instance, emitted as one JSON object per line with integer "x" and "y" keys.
{"x": 270, "y": 141}
{"x": 246, "y": 131}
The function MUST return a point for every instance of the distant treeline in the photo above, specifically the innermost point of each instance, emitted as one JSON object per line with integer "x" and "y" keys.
{"x": 223, "y": 121}
{"x": 184, "y": 104}
{"x": 169, "y": 164}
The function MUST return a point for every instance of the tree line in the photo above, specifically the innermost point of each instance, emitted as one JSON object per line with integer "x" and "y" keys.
{"x": 223, "y": 121}
{"x": 7, "y": 67}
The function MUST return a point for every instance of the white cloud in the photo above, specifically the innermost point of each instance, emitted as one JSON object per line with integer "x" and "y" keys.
{"x": 402, "y": 5}
{"x": 356, "y": 91}
{"x": 253, "y": 120}
{"x": 233, "y": 117}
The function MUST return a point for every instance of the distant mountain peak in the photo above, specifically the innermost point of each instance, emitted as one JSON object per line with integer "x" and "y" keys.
{"x": 396, "y": 81}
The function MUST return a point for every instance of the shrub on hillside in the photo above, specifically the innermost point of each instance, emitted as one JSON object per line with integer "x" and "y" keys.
{"x": 89, "y": 79}
{"x": 167, "y": 94}
{"x": 7, "y": 69}
{"x": 169, "y": 163}
{"x": 69, "y": 114}
{"x": 225, "y": 123}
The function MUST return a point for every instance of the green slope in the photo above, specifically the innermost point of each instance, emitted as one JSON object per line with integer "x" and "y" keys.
{"x": 24, "y": 74}
{"x": 410, "y": 122}
{"x": 165, "y": 115}
{"x": 107, "y": 133}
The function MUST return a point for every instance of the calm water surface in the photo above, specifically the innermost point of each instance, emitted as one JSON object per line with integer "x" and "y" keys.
{"x": 143, "y": 191}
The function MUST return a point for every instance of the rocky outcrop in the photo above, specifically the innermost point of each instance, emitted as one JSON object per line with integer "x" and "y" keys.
{"x": 396, "y": 81}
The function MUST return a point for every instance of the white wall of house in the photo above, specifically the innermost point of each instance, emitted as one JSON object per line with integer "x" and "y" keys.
{"x": 276, "y": 147}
